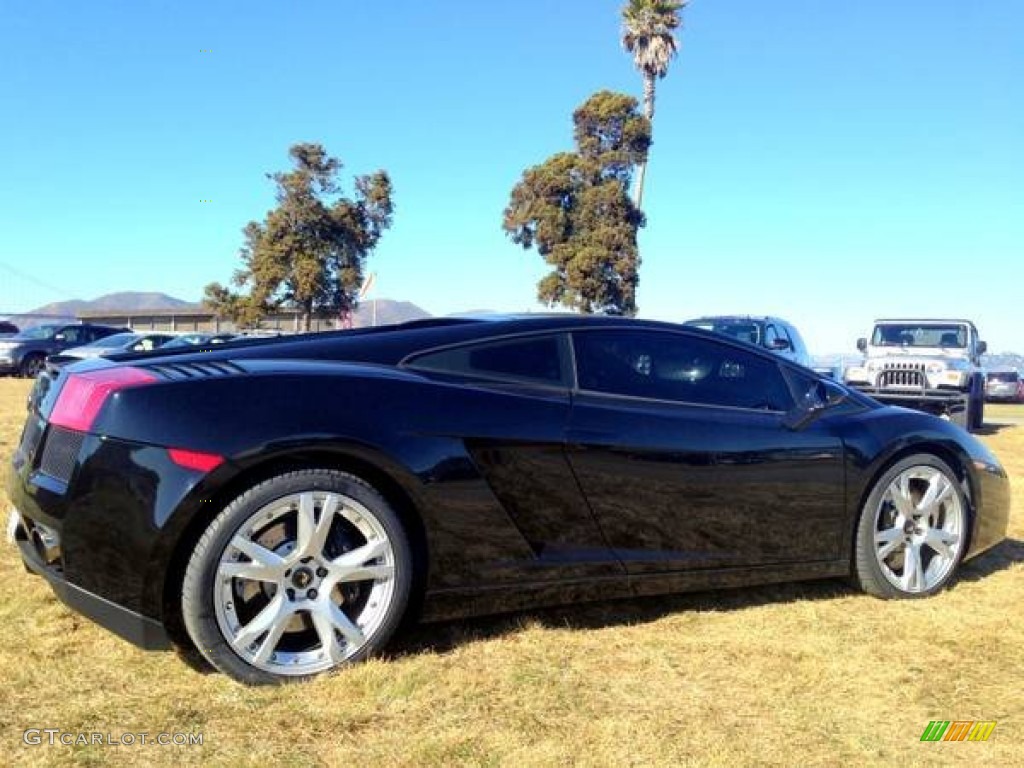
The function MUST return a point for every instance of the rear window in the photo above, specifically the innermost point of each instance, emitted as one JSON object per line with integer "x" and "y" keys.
{"x": 1009, "y": 377}
{"x": 534, "y": 359}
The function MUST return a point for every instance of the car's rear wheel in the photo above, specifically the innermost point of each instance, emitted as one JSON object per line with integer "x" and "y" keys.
{"x": 300, "y": 574}
{"x": 913, "y": 530}
{"x": 32, "y": 365}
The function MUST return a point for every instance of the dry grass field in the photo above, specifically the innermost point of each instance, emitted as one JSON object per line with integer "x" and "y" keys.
{"x": 806, "y": 674}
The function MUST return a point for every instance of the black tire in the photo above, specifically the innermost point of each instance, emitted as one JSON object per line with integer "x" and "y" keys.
{"x": 32, "y": 365}
{"x": 979, "y": 414}
{"x": 868, "y": 571}
{"x": 203, "y": 594}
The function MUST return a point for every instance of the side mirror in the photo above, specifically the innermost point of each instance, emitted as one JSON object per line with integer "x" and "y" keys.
{"x": 60, "y": 337}
{"x": 821, "y": 397}
{"x": 781, "y": 344}
{"x": 982, "y": 347}
{"x": 862, "y": 344}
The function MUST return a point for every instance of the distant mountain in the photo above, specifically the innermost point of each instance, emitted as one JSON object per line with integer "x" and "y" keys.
{"x": 379, "y": 312}
{"x": 124, "y": 301}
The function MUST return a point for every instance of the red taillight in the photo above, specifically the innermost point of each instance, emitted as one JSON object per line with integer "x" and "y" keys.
{"x": 201, "y": 462}
{"x": 84, "y": 394}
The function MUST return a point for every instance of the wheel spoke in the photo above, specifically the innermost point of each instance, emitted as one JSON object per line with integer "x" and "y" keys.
{"x": 276, "y": 612}
{"x": 258, "y": 554}
{"x": 311, "y": 532}
{"x": 253, "y": 571}
{"x": 345, "y": 625}
{"x": 913, "y": 571}
{"x": 888, "y": 541}
{"x": 899, "y": 493}
{"x": 305, "y": 523}
{"x": 942, "y": 542}
{"x": 353, "y": 566}
{"x": 938, "y": 491}
{"x": 328, "y": 637}
{"x": 367, "y": 573}
{"x": 329, "y": 619}
{"x": 269, "y": 644}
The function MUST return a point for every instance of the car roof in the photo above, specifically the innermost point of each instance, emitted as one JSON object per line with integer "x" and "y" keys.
{"x": 391, "y": 344}
{"x": 951, "y": 320}
{"x": 747, "y": 318}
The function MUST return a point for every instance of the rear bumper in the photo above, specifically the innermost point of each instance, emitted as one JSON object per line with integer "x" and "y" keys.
{"x": 139, "y": 630}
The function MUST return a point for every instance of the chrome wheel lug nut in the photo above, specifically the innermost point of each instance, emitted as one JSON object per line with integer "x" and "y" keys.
{"x": 311, "y": 594}
{"x": 321, "y": 571}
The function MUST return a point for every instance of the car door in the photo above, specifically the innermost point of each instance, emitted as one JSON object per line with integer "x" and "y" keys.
{"x": 679, "y": 445}
{"x": 509, "y": 408}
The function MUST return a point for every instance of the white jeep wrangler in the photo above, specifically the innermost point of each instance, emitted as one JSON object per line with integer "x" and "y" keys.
{"x": 930, "y": 365}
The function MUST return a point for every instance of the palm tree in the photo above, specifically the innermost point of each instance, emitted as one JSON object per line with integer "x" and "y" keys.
{"x": 647, "y": 33}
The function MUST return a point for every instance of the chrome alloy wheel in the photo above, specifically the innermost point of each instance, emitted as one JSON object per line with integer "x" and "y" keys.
{"x": 919, "y": 529}
{"x": 304, "y": 583}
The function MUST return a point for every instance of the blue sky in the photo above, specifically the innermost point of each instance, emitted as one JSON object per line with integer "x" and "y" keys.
{"x": 825, "y": 161}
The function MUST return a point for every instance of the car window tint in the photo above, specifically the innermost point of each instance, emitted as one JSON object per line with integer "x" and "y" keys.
{"x": 537, "y": 359}
{"x": 73, "y": 336}
{"x": 668, "y": 366}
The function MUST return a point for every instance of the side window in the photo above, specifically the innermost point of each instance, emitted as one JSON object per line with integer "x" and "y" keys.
{"x": 537, "y": 359}
{"x": 775, "y": 333}
{"x": 73, "y": 335}
{"x": 679, "y": 367}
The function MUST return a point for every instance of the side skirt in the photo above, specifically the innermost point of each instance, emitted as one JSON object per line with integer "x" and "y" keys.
{"x": 445, "y": 604}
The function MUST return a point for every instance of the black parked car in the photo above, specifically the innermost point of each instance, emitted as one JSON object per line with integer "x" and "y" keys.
{"x": 283, "y": 504}
{"x": 25, "y": 353}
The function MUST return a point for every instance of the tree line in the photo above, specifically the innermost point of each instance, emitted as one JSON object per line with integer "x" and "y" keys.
{"x": 581, "y": 210}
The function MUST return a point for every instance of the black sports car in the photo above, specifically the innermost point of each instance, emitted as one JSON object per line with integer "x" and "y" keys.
{"x": 282, "y": 505}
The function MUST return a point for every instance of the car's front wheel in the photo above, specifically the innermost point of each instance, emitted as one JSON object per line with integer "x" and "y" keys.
{"x": 913, "y": 529}
{"x": 302, "y": 573}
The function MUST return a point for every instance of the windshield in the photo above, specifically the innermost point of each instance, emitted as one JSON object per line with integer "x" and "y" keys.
{"x": 744, "y": 330}
{"x": 1008, "y": 376}
{"x": 117, "y": 340}
{"x": 189, "y": 340}
{"x": 39, "y": 332}
{"x": 917, "y": 335}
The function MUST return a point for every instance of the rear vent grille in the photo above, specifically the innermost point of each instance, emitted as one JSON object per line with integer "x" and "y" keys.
{"x": 60, "y": 453}
{"x": 180, "y": 371}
